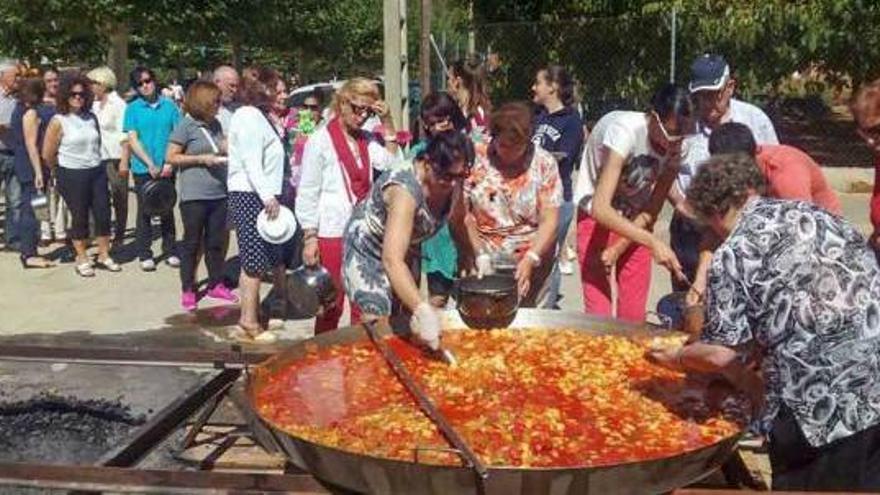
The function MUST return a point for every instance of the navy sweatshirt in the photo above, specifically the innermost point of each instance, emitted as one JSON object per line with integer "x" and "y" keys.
{"x": 561, "y": 132}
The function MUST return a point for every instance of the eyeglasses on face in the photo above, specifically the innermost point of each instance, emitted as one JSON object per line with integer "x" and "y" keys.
{"x": 312, "y": 107}
{"x": 360, "y": 110}
{"x": 78, "y": 94}
{"x": 146, "y": 81}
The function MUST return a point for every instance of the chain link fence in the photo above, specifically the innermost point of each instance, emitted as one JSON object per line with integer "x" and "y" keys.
{"x": 619, "y": 61}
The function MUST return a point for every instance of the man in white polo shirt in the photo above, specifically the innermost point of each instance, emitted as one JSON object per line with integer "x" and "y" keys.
{"x": 712, "y": 88}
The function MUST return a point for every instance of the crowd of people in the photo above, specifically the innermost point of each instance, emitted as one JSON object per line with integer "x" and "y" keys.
{"x": 790, "y": 290}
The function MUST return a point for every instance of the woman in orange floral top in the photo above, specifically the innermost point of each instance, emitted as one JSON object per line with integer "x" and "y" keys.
{"x": 512, "y": 199}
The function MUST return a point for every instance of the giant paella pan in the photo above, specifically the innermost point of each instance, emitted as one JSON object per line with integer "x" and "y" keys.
{"x": 558, "y": 403}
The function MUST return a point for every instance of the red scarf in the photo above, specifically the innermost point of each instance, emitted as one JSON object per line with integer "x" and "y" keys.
{"x": 357, "y": 178}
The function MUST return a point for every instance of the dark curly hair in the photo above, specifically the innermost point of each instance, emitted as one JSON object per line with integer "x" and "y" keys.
{"x": 724, "y": 182}
{"x": 65, "y": 91}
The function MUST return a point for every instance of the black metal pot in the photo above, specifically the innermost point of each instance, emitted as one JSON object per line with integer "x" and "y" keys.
{"x": 488, "y": 302}
{"x": 311, "y": 288}
{"x": 158, "y": 196}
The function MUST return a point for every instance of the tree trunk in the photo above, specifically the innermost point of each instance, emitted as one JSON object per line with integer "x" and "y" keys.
{"x": 425, "y": 49}
{"x": 117, "y": 53}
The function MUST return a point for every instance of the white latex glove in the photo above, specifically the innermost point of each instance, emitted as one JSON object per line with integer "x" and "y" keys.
{"x": 484, "y": 265}
{"x": 425, "y": 325}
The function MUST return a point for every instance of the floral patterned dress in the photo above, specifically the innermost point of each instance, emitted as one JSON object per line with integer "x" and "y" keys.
{"x": 507, "y": 210}
{"x": 364, "y": 277}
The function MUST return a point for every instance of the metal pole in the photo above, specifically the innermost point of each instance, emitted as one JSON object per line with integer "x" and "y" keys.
{"x": 672, "y": 46}
{"x": 442, "y": 61}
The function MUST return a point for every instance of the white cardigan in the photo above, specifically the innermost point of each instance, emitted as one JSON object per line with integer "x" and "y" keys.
{"x": 256, "y": 155}
{"x": 322, "y": 200}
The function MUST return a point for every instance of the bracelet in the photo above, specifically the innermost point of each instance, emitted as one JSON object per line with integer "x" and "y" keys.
{"x": 309, "y": 236}
{"x": 534, "y": 257}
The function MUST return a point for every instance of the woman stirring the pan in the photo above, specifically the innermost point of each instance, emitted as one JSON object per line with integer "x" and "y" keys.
{"x": 405, "y": 206}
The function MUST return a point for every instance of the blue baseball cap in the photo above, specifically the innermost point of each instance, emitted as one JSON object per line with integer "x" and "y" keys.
{"x": 708, "y": 73}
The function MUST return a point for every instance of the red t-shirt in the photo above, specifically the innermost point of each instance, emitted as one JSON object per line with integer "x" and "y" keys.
{"x": 792, "y": 174}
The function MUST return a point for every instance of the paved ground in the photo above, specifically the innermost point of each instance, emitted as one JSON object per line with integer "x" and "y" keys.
{"x": 58, "y": 301}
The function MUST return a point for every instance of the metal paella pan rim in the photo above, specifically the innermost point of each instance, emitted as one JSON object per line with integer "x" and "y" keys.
{"x": 372, "y": 474}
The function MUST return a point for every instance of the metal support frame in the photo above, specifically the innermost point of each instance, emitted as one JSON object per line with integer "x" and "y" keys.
{"x": 157, "y": 429}
{"x": 128, "y": 480}
{"x": 230, "y": 358}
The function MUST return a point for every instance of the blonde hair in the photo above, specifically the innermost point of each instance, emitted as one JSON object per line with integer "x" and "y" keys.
{"x": 357, "y": 86}
{"x": 104, "y": 76}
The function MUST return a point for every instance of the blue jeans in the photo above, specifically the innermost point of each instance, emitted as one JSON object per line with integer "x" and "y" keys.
{"x": 566, "y": 212}
{"x": 12, "y": 189}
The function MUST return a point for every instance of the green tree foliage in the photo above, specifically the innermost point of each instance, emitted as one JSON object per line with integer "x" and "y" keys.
{"x": 619, "y": 50}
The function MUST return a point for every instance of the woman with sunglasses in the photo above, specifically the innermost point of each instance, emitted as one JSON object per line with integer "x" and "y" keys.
{"x": 405, "y": 206}
{"x": 629, "y": 163}
{"x": 513, "y": 198}
{"x": 337, "y": 171}
{"x": 73, "y": 144}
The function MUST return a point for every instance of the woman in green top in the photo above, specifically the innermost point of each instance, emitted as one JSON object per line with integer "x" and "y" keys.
{"x": 440, "y": 112}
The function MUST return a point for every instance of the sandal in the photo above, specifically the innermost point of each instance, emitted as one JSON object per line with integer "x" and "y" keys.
{"x": 241, "y": 335}
{"x": 109, "y": 265}
{"x": 41, "y": 262}
{"x": 85, "y": 269}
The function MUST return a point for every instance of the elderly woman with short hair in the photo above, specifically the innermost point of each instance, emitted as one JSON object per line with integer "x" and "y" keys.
{"x": 109, "y": 108}
{"x": 798, "y": 288}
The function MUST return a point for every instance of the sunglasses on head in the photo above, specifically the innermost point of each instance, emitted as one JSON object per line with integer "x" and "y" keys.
{"x": 669, "y": 137}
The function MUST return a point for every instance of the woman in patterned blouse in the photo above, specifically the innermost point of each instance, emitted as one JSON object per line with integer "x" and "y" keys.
{"x": 799, "y": 288}
{"x": 512, "y": 199}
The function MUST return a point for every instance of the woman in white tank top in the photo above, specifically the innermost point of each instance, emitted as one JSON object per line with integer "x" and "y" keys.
{"x": 73, "y": 144}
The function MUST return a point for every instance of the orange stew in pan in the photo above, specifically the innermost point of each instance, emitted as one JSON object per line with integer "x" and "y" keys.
{"x": 526, "y": 398}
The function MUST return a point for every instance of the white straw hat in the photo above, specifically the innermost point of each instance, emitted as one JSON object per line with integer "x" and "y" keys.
{"x": 277, "y": 231}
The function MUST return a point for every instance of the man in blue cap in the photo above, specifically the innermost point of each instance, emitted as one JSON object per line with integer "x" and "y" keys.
{"x": 712, "y": 87}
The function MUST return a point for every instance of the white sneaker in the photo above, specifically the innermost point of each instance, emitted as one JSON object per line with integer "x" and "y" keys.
{"x": 173, "y": 261}
{"x": 148, "y": 265}
{"x": 566, "y": 267}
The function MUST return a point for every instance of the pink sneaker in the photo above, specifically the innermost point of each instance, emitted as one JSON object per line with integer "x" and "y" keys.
{"x": 223, "y": 293}
{"x": 188, "y": 300}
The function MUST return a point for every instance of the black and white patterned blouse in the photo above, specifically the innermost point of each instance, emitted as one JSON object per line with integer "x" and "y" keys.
{"x": 804, "y": 287}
